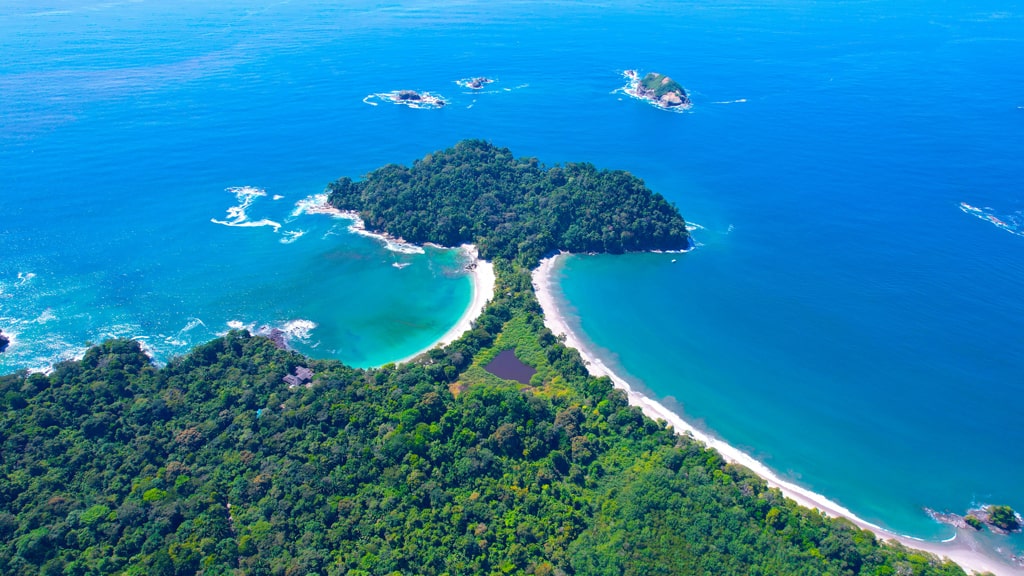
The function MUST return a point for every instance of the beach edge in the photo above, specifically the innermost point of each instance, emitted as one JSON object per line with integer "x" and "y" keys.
{"x": 544, "y": 279}
{"x": 483, "y": 280}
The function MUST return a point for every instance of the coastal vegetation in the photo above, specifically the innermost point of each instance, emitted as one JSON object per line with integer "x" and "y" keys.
{"x": 659, "y": 84}
{"x": 1003, "y": 518}
{"x": 217, "y": 463}
{"x": 658, "y": 89}
{"x": 517, "y": 209}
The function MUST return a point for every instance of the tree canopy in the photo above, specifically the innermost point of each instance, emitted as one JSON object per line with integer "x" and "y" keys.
{"x": 218, "y": 464}
{"x": 512, "y": 208}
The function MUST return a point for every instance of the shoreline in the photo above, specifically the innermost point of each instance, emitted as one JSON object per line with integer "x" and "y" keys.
{"x": 961, "y": 550}
{"x": 481, "y": 272}
{"x": 482, "y": 278}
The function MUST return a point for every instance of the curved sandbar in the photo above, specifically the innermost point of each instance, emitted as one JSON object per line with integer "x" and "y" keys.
{"x": 961, "y": 550}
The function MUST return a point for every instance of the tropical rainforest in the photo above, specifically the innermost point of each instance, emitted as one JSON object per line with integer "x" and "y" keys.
{"x": 215, "y": 464}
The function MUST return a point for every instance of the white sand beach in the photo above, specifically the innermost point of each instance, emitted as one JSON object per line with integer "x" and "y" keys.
{"x": 960, "y": 550}
{"x": 481, "y": 271}
{"x": 482, "y": 275}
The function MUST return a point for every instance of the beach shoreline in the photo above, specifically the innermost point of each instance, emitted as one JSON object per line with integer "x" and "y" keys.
{"x": 961, "y": 550}
{"x": 481, "y": 273}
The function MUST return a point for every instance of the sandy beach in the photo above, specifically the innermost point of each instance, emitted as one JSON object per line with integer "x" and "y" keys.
{"x": 961, "y": 550}
{"x": 481, "y": 271}
{"x": 482, "y": 275}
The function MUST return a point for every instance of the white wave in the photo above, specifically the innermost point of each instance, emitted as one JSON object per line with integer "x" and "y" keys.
{"x": 278, "y": 197}
{"x": 45, "y": 317}
{"x": 237, "y": 216}
{"x": 740, "y": 101}
{"x": 1012, "y": 223}
{"x": 402, "y": 247}
{"x": 193, "y": 323}
{"x": 401, "y": 265}
{"x": 292, "y": 235}
{"x": 299, "y": 329}
{"x": 367, "y": 100}
{"x": 25, "y": 278}
{"x": 314, "y": 204}
{"x": 123, "y": 330}
{"x": 691, "y": 226}
{"x": 318, "y": 204}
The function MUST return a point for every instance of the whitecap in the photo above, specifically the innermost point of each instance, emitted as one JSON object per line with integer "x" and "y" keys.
{"x": 25, "y": 278}
{"x": 278, "y": 197}
{"x": 45, "y": 317}
{"x": 401, "y": 265}
{"x": 237, "y": 216}
{"x": 292, "y": 235}
{"x": 1012, "y": 223}
{"x": 299, "y": 328}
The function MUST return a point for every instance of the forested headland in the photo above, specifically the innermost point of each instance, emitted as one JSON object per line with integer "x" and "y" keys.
{"x": 512, "y": 208}
{"x": 214, "y": 464}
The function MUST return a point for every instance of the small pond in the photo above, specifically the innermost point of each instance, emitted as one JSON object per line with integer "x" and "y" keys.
{"x": 506, "y": 365}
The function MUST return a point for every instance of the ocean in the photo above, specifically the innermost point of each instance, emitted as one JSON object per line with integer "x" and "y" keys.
{"x": 851, "y": 315}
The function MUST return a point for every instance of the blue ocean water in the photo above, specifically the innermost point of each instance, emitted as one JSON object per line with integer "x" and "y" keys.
{"x": 845, "y": 318}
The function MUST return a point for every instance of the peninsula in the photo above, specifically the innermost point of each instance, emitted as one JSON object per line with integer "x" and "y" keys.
{"x": 219, "y": 463}
{"x": 658, "y": 89}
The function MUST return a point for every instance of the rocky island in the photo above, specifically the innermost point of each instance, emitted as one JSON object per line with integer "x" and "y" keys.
{"x": 410, "y": 98}
{"x": 999, "y": 519}
{"x": 658, "y": 89}
{"x": 474, "y": 83}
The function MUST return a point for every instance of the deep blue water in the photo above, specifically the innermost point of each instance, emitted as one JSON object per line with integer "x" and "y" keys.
{"x": 844, "y": 318}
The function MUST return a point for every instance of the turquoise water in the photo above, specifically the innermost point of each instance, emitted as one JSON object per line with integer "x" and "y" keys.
{"x": 846, "y": 319}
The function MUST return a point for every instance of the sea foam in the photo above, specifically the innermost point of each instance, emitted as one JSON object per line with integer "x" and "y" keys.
{"x": 237, "y": 216}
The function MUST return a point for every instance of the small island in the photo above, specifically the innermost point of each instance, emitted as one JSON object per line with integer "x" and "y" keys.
{"x": 657, "y": 89}
{"x": 476, "y": 83}
{"x": 1000, "y": 519}
{"x": 410, "y": 98}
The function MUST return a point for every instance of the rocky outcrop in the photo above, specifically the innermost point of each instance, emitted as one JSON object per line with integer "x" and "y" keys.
{"x": 658, "y": 89}
{"x": 413, "y": 97}
{"x": 478, "y": 82}
{"x": 998, "y": 519}
{"x": 4, "y": 342}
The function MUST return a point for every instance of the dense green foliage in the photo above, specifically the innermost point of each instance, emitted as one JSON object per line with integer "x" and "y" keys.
{"x": 656, "y": 83}
{"x": 215, "y": 465}
{"x": 480, "y": 194}
{"x": 1003, "y": 517}
{"x": 974, "y": 522}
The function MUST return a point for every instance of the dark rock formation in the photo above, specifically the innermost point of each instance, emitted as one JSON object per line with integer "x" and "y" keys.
{"x": 4, "y": 341}
{"x": 478, "y": 83}
{"x": 658, "y": 89}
